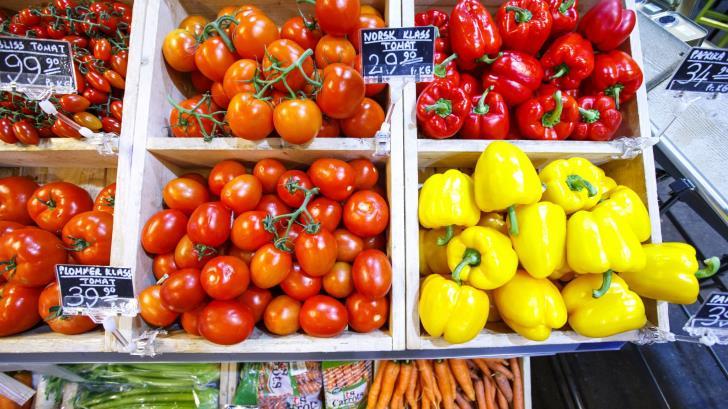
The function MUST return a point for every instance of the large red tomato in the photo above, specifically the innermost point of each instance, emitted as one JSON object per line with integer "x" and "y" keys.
{"x": 323, "y": 316}
{"x": 334, "y": 177}
{"x": 49, "y": 308}
{"x": 188, "y": 254}
{"x": 337, "y": 282}
{"x": 281, "y": 315}
{"x": 372, "y": 274}
{"x": 366, "y": 213}
{"x": 242, "y": 193}
{"x": 270, "y": 266}
{"x": 182, "y": 291}
{"x": 297, "y": 120}
{"x": 18, "y": 308}
{"x": 53, "y": 204}
{"x": 331, "y": 49}
{"x": 268, "y": 171}
{"x": 253, "y": 34}
{"x": 225, "y": 322}
{"x": 152, "y": 309}
{"x": 295, "y": 198}
{"x": 327, "y": 212}
{"x": 348, "y": 245}
{"x": 213, "y": 58}
{"x": 29, "y": 256}
{"x": 256, "y": 299}
{"x": 365, "y": 21}
{"x": 316, "y": 252}
{"x": 164, "y": 264}
{"x": 304, "y": 32}
{"x": 222, "y": 173}
{"x": 15, "y": 192}
{"x": 225, "y": 277}
{"x": 365, "y": 174}
{"x": 106, "y": 199}
{"x": 338, "y": 17}
{"x": 239, "y": 77}
{"x": 189, "y": 320}
{"x": 163, "y": 231}
{"x": 250, "y": 117}
{"x": 365, "y": 121}
{"x": 8, "y": 226}
{"x": 365, "y": 314}
{"x": 272, "y": 205}
{"x": 300, "y": 285}
{"x": 88, "y": 237}
{"x": 210, "y": 224}
{"x": 185, "y": 194}
{"x": 248, "y": 232}
{"x": 341, "y": 92}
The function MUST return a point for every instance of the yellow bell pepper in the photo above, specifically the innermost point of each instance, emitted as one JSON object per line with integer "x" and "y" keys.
{"x": 573, "y": 184}
{"x": 436, "y": 255}
{"x": 618, "y": 310}
{"x": 627, "y": 205}
{"x": 424, "y": 268}
{"x": 562, "y": 273}
{"x": 505, "y": 177}
{"x": 494, "y": 221}
{"x": 670, "y": 274}
{"x": 452, "y": 311}
{"x": 541, "y": 244}
{"x": 530, "y": 306}
{"x": 606, "y": 186}
{"x": 447, "y": 199}
{"x": 483, "y": 257}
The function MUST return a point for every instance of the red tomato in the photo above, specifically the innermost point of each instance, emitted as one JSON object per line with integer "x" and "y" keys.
{"x": 366, "y": 213}
{"x": 281, "y": 315}
{"x": 109, "y": 124}
{"x": 178, "y": 49}
{"x": 268, "y": 171}
{"x": 285, "y": 53}
{"x": 287, "y": 180}
{"x": 323, "y": 316}
{"x": 18, "y": 308}
{"x": 73, "y": 103}
{"x": 225, "y": 322}
{"x": 116, "y": 108}
{"x": 365, "y": 121}
{"x": 213, "y": 58}
{"x": 297, "y": 121}
{"x": 7, "y": 134}
{"x": 245, "y": 255}
{"x": 338, "y": 17}
{"x": 334, "y": 177}
{"x": 270, "y": 266}
{"x": 225, "y": 277}
{"x": 98, "y": 81}
{"x": 300, "y": 285}
{"x": 249, "y": 117}
{"x": 106, "y": 199}
{"x": 49, "y": 309}
{"x": 187, "y": 254}
{"x": 272, "y": 205}
{"x": 29, "y": 256}
{"x": 182, "y": 291}
{"x": 365, "y": 21}
{"x": 333, "y": 49}
{"x": 88, "y": 237}
{"x": 326, "y": 212}
{"x": 163, "y": 231}
{"x": 316, "y": 252}
{"x": 7, "y": 227}
{"x": 248, "y": 232}
{"x": 94, "y": 95}
{"x": 196, "y": 177}
{"x": 183, "y": 125}
{"x": 341, "y": 92}
{"x": 337, "y": 282}
{"x": 239, "y": 77}
{"x": 217, "y": 92}
{"x": 184, "y": 194}
{"x": 209, "y": 224}
{"x": 253, "y": 33}
{"x": 329, "y": 128}
{"x": 257, "y": 299}
{"x": 163, "y": 264}
{"x": 26, "y": 132}
{"x": 201, "y": 83}
{"x": 365, "y": 314}
{"x": 119, "y": 62}
{"x": 101, "y": 48}
{"x": 365, "y": 174}
{"x": 305, "y": 33}
{"x": 15, "y": 193}
{"x": 189, "y": 320}
{"x": 242, "y": 193}
{"x": 153, "y": 311}
{"x": 222, "y": 173}
{"x": 348, "y": 245}
{"x": 372, "y": 273}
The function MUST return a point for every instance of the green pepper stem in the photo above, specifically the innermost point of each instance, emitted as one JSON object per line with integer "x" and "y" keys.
{"x": 471, "y": 257}
{"x": 514, "y": 230}
{"x": 606, "y": 283}
{"x": 565, "y": 6}
{"x": 576, "y": 183}
{"x": 442, "y": 107}
{"x": 552, "y": 118}
{"x": 561, "y": 70}
{"x": 521, "y": 15}
{"x": 614, "y": 91}
{"x": 589, "y": 115}
{"x": 712, "y": 265}
{"x": 487, "y": 59}
{"x": 443, "y": 240}
{"x": 482, "y": 108}
{"x": 441, "y": 68}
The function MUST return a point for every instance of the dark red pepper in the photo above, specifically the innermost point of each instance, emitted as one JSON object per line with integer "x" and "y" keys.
{"x": 607, "y": 24}
{"x": 548, "y": 117}
{"x": 599, "y": 119}
{"x": 473, "y": 35}
{"x": 564, "y": 16}
{"x": 524, "y": 25}
{"x": 445, "y": 69}
{"x": 441, "y": 110}
{"x": 439, "y": 19}
{"x": 489, "y": 118}
{"x": 568, "y": 61}
{"x": 470, "y": 84}
{"x": 617, "y": 75}
{"x": 515, "y": 75}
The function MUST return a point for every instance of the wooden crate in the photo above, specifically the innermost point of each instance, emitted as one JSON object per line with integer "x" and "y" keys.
{"x": 157, "y": 158}
{"x": 638, "y": 173}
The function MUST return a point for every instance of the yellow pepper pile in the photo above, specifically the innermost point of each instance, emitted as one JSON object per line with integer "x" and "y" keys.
{"x": 561, "y": 245}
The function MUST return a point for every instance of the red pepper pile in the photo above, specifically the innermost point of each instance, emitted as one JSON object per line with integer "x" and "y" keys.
{"x": 99, "y": 35}
{"x": 41, "y": 226}
{"x": 542, "y": 74}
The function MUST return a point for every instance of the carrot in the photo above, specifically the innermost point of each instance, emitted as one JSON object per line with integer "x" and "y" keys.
{"x": 462, "y": 375}
{"x": 429, "y": 385}
{"x": 443, "y": 383}
{"x": 517, "y": 385}
{"x": 418, "y": 390}
{"x": 403, "y": 381}
{"x": 480, "y": 363}
{"x": 504, "y": 386}
{"x": 376, "y": 386}
{"x": 410, "y": 394}
{"x": 426, "y": 404}
{"x": 502, "y": 402}
{"x": 388, "y": 380}
{"x": 451, "y": 377}
{"x": 462, "y": 403}
{"x": 489, "y": 393}
{"x": 498, "y": 367}
{"x": 480, "y": 394}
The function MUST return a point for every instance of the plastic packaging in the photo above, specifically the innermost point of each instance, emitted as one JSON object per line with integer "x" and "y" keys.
{"x": 346, "y": 384}
{"x": 280, "y": 385}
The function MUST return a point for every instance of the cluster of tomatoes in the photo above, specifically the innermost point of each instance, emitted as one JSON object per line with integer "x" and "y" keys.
{"x": 41, "y": 226}
{"x": 301, "y": 80}
{"x": 237, "y": 247}
{"x": 98, "y": 32}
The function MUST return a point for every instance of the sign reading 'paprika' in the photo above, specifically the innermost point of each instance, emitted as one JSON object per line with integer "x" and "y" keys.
{"x": 405, "y": 52}
{"x": 31, "y": 63}
{"x": 703, "y": 70}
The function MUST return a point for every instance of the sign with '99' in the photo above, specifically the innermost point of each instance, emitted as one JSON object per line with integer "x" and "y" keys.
{"x": 31, "y": 63}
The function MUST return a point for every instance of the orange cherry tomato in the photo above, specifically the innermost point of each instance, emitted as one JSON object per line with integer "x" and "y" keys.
{"x": 253, "y": 34}
{"x": 239, "y": 77}
{"x": 194, "y": 24}
{"x": 304, "y": 32}
{"x": 213, "y": 58}
{"x": 297, "y": 120}
{"x": 268, "y": 171}
{"x": 337, "y": 17}
{"x": 341, "y": 92}
{"x": 219, "y": 96}
{"x": 332, "y": 49}
{"x": 365, "y": 21}
{"x": 249, "y": 117}
{"x": 270, "y": 266}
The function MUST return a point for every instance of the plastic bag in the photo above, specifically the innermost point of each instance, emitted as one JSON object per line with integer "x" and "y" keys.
{"x": 275, "y": 385}
{"x": 346, "y": 383}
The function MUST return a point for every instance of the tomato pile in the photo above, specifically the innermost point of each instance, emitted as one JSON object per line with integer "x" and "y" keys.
{"x": 254, "y": 79}
{"x": 533, "y": 72}
{"x": 41, "y": 226}
{"x": 237, "y": 247}
{"x": 99, "y": 35}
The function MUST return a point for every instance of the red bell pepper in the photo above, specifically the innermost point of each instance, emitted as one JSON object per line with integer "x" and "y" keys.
{"x": 548, "y": 117}
{"x": 441, "y": 110}
{"x": 515, "y": 75}
{"x": 617, "y": 75}
{"x": 440, "y": 20}
{"x": 524, "y": 25}
{"x": 568, "y": 61}
{"x": 489, "y": 118}
{"x": 607, "y": 24}
{"x": 445, "y": 69}
{"x": 473, "y": 35}
{"x": 599, "y": 119}
{"x": 564, "y": 15}
{"x": 470, "y": 84}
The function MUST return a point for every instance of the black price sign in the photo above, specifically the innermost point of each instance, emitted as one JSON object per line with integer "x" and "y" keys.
{"x": 31, "y": 63}
{"x": 713, "y": 313}
{"x": 88, "y": 288}
{"x": 704, "y": 70}
{"x": 406, "y": 52}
